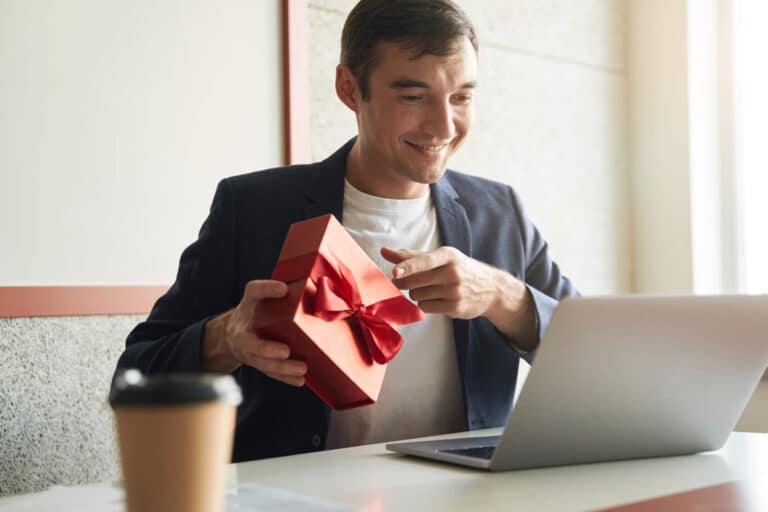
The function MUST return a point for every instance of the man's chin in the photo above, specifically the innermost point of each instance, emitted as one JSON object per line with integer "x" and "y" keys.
{"x": 428, "y": 177}
{"x": 418, "y": 172}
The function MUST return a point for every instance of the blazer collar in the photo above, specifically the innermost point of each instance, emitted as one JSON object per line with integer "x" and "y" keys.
{"x": 451, "y": 216}
{"x": 325, "y": 190}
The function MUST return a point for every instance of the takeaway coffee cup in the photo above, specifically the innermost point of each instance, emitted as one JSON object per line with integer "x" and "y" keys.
{"x": 175, "y": 436}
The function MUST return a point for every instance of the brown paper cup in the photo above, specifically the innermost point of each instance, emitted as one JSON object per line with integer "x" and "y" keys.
{"x": 175, "y": 436}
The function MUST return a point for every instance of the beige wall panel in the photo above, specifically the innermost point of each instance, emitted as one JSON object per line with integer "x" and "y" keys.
{"x": 557, "y": 133}
{"x": 590, "y": 32}
{"x": 341, "y": 7}
{"x": 118, "y": 118}
{"x": 587, "y": 31}
{"x": 332, "y": 123}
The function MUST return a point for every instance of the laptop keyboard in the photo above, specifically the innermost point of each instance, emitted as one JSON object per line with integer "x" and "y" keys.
{"x": 478, "y": 452}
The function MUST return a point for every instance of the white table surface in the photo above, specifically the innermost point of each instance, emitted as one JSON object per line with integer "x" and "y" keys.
{"x": 369, "y": 477}
{"x": 372, "y": 479}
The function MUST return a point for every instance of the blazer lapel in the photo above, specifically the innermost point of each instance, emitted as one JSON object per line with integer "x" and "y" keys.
{"x": 325, "y": 193}
{"x": 451, "y": 217}
{"x": 453, "y": 224}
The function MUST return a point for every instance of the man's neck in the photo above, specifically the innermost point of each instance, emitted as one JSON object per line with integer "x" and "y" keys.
{"x": 367, "y": 176}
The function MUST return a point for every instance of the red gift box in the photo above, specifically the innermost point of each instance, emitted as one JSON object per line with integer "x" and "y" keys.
{"x": 339, "y": 313}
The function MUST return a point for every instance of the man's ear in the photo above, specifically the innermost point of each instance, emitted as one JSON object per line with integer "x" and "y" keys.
{"x": 346, "y": 87}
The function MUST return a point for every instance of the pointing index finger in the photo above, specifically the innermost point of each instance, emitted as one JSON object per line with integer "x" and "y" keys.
{"x": 419, "y": 262}
{"x": 397, "y": 255}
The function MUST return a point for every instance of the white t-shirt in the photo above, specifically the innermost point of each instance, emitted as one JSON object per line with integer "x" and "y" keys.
{"x": 421, "y": 394}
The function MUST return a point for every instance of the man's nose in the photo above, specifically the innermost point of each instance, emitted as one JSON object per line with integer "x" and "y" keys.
{"x": 440, "y": 123}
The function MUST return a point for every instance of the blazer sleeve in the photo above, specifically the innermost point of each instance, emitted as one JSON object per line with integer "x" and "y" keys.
{"x": 542, "y": 276}
{"x": 170, "y": 338}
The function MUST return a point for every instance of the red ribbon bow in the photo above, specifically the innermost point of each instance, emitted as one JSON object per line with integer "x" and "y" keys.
{"x": 338, "y": 297}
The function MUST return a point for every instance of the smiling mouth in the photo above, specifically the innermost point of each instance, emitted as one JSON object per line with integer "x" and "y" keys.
{"x": 426, "y": 147}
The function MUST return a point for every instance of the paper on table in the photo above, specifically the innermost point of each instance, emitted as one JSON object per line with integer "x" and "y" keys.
{"x": 66, "y": 499}
{"x": 261, "y": 497}
{"x": 110, "y": 499}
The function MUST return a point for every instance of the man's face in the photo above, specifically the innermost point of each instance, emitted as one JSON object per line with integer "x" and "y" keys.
{"x": 417, "y": 115}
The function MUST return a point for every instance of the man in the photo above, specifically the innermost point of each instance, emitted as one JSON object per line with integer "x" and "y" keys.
{"x": 460, "y": 246}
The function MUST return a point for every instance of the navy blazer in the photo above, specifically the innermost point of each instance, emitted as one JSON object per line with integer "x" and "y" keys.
{"x": 240, "y": 241}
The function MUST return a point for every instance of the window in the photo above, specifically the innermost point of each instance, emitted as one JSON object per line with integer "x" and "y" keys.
{"x": 728, "y": 125}
{"x": 750, "y": 42}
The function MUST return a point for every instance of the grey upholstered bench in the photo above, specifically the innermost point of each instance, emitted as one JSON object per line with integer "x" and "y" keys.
{"x": 55, "y": 423}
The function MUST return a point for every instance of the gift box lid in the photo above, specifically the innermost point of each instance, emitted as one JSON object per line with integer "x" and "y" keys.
{"x": 324, "y": 235}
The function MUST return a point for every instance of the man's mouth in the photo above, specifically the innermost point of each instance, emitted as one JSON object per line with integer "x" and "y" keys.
{"x": 427, "y": 147}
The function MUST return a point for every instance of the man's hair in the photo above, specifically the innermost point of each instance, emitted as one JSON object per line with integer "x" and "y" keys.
{"x": 427, "y": 27}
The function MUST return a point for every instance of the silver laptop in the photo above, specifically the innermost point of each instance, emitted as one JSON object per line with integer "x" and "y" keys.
{"x": 626, "y": 377}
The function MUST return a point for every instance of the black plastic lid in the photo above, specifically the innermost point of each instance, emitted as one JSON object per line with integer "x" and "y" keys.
{"x": 131, "y": 387}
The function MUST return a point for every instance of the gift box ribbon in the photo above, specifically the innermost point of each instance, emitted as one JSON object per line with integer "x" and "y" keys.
{"x": 338, "y": 297}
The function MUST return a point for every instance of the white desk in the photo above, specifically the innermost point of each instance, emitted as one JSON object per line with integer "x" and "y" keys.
{"x": 372, "y": 479}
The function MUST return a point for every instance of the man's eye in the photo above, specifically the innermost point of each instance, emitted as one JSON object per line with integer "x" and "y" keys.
{"x": 411, "y": 98}
{"x": 464, "y": 98}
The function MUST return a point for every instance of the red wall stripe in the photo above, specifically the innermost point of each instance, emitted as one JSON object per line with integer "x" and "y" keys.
{"x": 27, "y": 301}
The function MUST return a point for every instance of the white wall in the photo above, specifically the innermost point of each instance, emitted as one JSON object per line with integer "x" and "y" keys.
{"x": 116, "y": 121}
{"x": 551, "y": 120}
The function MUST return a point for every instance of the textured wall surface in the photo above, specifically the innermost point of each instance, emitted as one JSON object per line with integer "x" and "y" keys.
{"x": 55, "y": 423}
{"x": 551, "y": 120}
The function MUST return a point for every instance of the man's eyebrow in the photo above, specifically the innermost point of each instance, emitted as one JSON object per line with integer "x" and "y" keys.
{"x": 407, "y": 83}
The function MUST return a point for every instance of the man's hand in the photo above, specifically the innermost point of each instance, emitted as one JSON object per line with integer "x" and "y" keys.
{"x": 230, "y": 340}
{"x": 448, "y": 282}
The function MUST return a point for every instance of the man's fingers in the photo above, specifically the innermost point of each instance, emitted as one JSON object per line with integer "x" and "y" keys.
{"x": 445, "y": 275}
{"x": 287, "y": 379}
{"x": 420, "y": 280}
{"x": 435, "y": 292}
{"x": 264, "y": 289}
{"x": 269, "y": 349}
{"x": 421, "y": 262}
{"x": 440, "y": 307}
{"x": 250, "y": 343}
{"x": 271, "y": 358}
{"x": 397, "y": 255}
{"x": 288, "y": 367}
